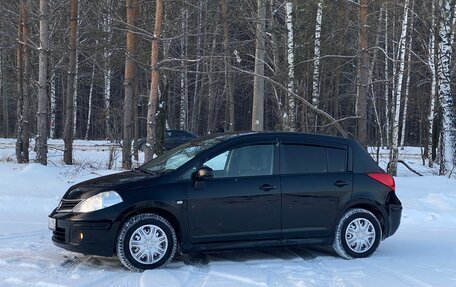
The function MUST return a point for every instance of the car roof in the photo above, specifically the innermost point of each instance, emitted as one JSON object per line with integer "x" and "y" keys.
{"x": 261, "y": 134}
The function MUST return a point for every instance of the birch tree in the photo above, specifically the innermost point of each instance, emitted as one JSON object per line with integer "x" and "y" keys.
{"x": 290, "y": 116}
{"x": 316, "y": 68}
{"x": 432, "y": 92}
{"x": 398, "y": 92}
{"x": 386, "y": 85}
{"x": 53, "y": 111}
{"x": 107, "y": 69}
{"x": 407, "y": 83}
{"x": 42, "y": 116}
{"x": 444, "y": 88}
{"x": 183, "y": 119}
{"x": 89, "y": 113}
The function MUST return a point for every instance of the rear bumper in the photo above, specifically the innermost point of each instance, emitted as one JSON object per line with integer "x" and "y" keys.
{"x": 395, "y": 213}
{"x": 394, "y": 210}
{"x": 95, "y": 238}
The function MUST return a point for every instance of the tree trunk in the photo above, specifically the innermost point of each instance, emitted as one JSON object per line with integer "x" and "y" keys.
{"x": 395, "y": 124}
{"x": 107, "y": 70}
{"x": 363, "y": 75}
{"x": 69, "y": 105}
{"x": 3, "y": 94}
{"x": 432, "y": 103}
{"x": 196, "y": 95}
{"x": 407, "y": 83}
{"x": 53, "y": 111}
{"x": 27, "y": 85}
{"x": 130, "y": 69}
{"x": 42, "y": 116}
{"x": 229, "y": 120}
{"x": 76, "y": 78}
{"x": 258, "y": 80}
{"x": 183, "y": 119}
{"x": 316, "y": 68}
{"x": 89, "y": 113}
{"x": 371, "y": 77}
{"x": 291, "y": 110}
{"x": 444, "y": 79}
{"x": 154, "y": 81}
{"x": 386, "y": 94}
{"x": 211, "y": 119}
{"x": 20, "y": 85}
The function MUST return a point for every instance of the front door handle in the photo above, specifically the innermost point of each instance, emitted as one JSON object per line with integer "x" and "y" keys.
{"x": 267, "y": 187}
{"x": 341, "y": 183}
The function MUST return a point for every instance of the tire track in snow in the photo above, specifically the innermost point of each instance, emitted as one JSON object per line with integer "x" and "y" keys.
{"x": 404, "y": 279}
{"x": 315, "y": 257}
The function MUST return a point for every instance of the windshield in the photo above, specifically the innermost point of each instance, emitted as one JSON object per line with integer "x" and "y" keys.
{"x": 177, "y": 157}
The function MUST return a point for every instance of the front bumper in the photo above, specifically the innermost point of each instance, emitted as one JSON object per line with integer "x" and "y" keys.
{"x": 87, "y": 237}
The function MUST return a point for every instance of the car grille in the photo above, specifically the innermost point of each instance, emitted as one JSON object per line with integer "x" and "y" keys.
{"x": 67, "y": 205}
{"x": 59, "y": 235}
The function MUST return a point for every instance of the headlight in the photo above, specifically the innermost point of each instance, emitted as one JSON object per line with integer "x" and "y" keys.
{"x": 98, "y": 201}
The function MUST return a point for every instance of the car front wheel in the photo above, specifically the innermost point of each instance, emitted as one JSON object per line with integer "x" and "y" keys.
{"x": 358, "y": 234}
{"x": 146, "y": 241}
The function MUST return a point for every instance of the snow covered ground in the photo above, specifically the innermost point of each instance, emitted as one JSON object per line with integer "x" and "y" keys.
{"x": 421, "y": 253}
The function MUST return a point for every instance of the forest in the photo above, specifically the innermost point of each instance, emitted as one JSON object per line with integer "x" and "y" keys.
{"x": 377, "y": 71}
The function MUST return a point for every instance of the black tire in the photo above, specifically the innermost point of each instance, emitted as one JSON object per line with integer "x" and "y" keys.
{"x": 146, "y": 241}
{"x": 362, "y": 228}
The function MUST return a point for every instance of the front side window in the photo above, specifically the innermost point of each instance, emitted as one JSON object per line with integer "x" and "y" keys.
{"x": 251, "y": 160}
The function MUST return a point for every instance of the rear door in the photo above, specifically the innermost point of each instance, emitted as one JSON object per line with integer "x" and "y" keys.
{"x": 315, "y": 180}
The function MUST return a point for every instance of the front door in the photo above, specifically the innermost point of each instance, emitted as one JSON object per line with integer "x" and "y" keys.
{"x": 242, "y": 201}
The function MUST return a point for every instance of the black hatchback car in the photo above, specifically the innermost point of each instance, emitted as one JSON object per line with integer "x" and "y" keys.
{"x": 233, "y": 191}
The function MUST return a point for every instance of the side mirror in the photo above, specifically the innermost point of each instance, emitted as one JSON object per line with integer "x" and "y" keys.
{"x": 203, "y": 173}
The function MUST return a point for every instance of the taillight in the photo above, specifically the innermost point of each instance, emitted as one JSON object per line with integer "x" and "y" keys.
{"x": 384, "y": 178}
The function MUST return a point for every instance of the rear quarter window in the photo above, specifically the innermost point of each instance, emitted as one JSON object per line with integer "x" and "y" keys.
{"x": 337, "y": 159}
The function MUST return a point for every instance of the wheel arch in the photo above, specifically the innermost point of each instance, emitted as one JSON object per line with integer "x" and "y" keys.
{"x": 368, "y": 205}
{"x": 168, "y": 215}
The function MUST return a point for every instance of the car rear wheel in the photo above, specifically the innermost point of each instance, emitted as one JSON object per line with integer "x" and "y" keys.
{"x": 146, "y": 241}
{"x": 358, "y": 234}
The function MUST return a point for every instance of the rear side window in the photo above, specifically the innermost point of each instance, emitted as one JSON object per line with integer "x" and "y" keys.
{"x": 303, "y": 159}
{"x": 297, "y": 159}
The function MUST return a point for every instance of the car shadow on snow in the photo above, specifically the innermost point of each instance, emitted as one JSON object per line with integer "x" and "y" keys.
{"x": 254, "y": 256}
{"x": 201, "y": 260}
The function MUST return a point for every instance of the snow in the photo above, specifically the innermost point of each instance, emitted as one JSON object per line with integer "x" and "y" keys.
{"x": 421, "y": 253}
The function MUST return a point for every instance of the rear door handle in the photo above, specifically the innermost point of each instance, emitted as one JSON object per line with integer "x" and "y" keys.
{"x": 341, "y": 183}
{"x": 267, "y": 187}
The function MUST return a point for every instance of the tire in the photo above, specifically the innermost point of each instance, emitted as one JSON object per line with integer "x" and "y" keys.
{"x": 358, "y": 234}
{"x": 146, "y": 241}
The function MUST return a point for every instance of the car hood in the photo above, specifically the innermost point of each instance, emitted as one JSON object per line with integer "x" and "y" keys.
{"x": 117, "y": 181}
